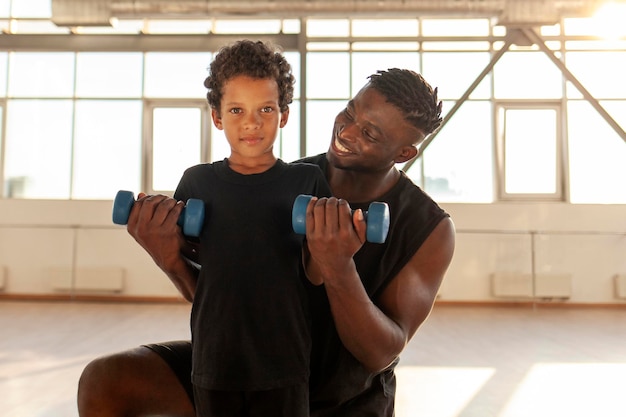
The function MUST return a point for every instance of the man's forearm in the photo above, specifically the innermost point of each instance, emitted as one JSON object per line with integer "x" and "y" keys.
{"x": 372, "y": 337}
{"x": 184, "y": 276}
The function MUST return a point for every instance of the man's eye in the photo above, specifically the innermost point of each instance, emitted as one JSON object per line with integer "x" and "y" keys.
{"x": 369, "y": 135}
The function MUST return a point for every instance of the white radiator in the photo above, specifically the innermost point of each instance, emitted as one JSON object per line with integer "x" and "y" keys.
{"x": 553, "y": 285}
{"x": 521, "y": 285}
{"x": 512, "y": 284}
{"x": 88, "y": 279}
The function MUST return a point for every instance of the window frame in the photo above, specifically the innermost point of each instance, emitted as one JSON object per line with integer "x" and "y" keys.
{"x": 500, "y": 107}
{"x": 3, "y": 123}
{"x": 148, "y": 134}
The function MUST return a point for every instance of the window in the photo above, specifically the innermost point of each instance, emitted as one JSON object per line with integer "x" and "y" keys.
{"x": 328, "y": 75}
{"x": 107, "y": 148}
{"x": 41, "y": 74}
{"x": 320, "y": 115}
{"x": 365, "y": 64}
{"x": 529, "y": 149}
{"x": 100, "y": 75}
{"x": 38, "y": 149}
{"x": 458, "y": 164}
{"x": 598, "y": 72}
{"x": 597, "y": 154}
{"x": 527, "y": 75}
{"x": 524, "y": 132}
{"x": 177, "y": 143}
{"x": 176, "y": 74}
{"x": 441, "y": 69}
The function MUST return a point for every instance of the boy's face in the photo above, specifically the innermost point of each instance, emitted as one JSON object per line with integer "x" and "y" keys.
{"x": 250, "y": 116}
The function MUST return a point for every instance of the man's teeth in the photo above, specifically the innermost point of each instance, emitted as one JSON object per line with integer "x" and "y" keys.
{"x": 341, "y": 147}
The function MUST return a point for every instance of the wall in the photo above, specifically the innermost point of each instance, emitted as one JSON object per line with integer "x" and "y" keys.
{"x": 545, "y": 251}
{"x": 505, "y": 252}
{"x": 68, "y": 248}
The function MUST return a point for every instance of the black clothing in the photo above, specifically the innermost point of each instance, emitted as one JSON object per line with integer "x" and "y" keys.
{"x": 291, "y": 401}
{"x": 339, "y": 385}
{"x": 250, "y": 317}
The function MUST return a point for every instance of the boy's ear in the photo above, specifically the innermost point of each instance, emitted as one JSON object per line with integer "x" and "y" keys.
{"x": 284, "y": 116}
{"x": 407, "y": 153}
{"x": 217, "y": 120}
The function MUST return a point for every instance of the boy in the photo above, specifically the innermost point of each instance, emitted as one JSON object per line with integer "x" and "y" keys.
{"x": 249, "y": 320}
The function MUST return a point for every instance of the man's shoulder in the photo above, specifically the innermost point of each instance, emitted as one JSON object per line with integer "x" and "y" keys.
{"x": 303, "y": 167}
{"x": 319, "y": 160}
{"x": 207, "y": 166}
{"x": 410, "y": 193}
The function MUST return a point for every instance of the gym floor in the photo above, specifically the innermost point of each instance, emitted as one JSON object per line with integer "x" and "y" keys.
{"x": 466, "y": 361}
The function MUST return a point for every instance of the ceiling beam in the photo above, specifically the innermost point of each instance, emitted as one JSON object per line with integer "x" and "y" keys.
{"x": 518, "y": 13}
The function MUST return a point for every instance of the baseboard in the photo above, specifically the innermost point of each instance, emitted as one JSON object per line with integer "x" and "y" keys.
{"x": 93, "y": 298}
{"x": 180, "y": 300}
{"x": 530, "y": 303}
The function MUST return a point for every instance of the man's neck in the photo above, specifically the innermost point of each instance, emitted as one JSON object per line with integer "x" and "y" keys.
{"x": 361, "y": 187}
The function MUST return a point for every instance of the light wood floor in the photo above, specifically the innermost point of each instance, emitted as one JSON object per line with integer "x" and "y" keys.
{"x": 465, "y": 361}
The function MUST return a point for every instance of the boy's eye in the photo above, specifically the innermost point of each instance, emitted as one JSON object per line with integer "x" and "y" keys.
{"x": 235, "y": 110}
{"x": 267, "y": 109}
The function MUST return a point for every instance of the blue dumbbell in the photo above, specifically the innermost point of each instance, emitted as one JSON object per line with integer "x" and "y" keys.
{"x": 376, "y": 216}
{"x": 191, "y": 218}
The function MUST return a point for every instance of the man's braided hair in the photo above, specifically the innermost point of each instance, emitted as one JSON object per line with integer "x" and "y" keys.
{"x": 409, "y": 92}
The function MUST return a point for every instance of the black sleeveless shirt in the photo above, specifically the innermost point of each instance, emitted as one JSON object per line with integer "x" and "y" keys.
{"x": 339, "y": 384}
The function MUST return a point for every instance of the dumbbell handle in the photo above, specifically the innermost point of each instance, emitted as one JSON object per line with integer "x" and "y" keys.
{"x": 190, "y": 220}
{"x": 376, "y": 217}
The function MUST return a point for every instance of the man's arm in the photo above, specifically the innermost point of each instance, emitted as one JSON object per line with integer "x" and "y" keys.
{"x": 375, "y": 333}
{"x": 153, "y": 224}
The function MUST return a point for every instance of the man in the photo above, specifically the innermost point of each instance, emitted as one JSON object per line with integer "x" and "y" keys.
{"x": 374, "y": 297}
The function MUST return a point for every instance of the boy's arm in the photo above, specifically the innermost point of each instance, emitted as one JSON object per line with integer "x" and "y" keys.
{"x": 153, "y": 224}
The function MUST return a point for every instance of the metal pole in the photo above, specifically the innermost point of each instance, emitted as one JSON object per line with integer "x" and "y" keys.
{"x": 532, "y": 35}
{"x": 464, "y": 97}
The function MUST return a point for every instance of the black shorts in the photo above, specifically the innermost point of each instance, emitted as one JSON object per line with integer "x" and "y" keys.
{"x": 291, "y": 401}
{"x": 177, "y": 355}
{"x": 379, "y": 397}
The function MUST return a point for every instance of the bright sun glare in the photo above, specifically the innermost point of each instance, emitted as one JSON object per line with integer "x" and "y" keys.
{"x": 608, "y": 20}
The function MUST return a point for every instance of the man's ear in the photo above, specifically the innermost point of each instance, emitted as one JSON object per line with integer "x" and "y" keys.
{"x": 284, "y": 116}
{"x": 407, "y": 153}
{"x": 217, "y": 120}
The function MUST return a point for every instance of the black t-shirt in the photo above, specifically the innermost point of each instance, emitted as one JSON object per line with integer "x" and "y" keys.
{"x": 250, "y": 316}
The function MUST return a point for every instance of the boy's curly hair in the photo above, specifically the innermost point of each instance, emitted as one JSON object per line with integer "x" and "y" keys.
{"x": 253, "y": 59}
{"x": 409, "y": 92}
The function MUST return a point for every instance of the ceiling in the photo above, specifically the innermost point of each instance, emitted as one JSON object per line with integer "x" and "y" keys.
{"x": 521, "y": 13}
